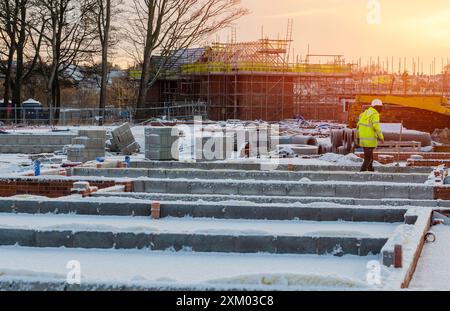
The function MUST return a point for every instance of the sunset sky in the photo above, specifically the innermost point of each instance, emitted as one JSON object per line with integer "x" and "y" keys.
{"x": 409, "y": 28}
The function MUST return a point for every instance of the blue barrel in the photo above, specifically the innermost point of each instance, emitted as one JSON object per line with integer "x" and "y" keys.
{"x": 37, "y": 168}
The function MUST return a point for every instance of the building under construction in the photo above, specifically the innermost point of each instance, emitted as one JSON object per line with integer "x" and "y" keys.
{"x": 249, "y": 81}
{"x": 256, "y": 80}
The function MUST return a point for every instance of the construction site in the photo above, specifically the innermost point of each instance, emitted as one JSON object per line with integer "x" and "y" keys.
{"x": 247, "y": 178}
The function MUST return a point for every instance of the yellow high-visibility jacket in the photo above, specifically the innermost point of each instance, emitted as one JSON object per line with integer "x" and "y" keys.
{"x": 369, "y": 129}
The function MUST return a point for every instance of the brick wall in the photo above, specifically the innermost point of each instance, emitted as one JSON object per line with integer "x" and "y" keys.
{"x": 442, "y": 193}
{"x": 50, "y": 188}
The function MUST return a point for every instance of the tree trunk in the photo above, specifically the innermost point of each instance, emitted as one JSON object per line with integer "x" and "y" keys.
{"x": 8, "y": 83}
{"x": 57, "y": 101}
{"x": 104, "y": 82}
{"x": 17, "y": 93}
{"x": 141, "y": 114}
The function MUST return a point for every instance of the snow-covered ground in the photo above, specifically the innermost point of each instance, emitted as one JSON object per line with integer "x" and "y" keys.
{"x": 433, "y": 269}
{"x": 14, "y": 163}
{"x": 195, "y": 225}
{"x": 175, "y": 269}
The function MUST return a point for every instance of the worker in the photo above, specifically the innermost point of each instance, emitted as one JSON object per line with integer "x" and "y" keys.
{"x": 369, "y": 132}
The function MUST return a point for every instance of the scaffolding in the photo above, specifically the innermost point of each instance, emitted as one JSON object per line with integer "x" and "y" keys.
{"x": 257, "y": 80}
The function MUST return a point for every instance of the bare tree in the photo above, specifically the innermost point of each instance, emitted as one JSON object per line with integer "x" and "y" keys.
{"x": 9, "y": 15}
{"x": 165, "y": 27}
{"x": 105, "y": 10}
{"x": 68, "y": 36}
{"x": 26, "y": 53}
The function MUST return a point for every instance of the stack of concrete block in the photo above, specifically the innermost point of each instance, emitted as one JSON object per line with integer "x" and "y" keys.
{"x": 34, "y": 143}
{"x": 161, "y": 143}
{"x": 89, "y": 145}
{"x": 123, "y": 140}
{"x": 214, "y": 146}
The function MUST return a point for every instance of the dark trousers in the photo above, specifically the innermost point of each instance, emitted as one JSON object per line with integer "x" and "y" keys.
{"x": 368, "y": 160}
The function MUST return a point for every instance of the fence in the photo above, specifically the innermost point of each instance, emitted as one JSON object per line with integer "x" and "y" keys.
{"x": 91, "y": 116}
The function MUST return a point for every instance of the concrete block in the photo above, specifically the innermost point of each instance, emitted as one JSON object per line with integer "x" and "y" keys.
{"x": 125, "y": 240}
{"x": 274, "y": 189}
{"x": 54, "y": 239}
{"x": 337, "y": 246}
{"x": 214, "y": 243}
{"x": 304, "y": 213}
{"x": 138, "y": 186}
{"x": 91, "y": 239}
{"x": 140, "y": 209}
{"x": 17, "y": 236}
{"x": 298, "y": 190}
{"x": 202, "y": 188}
{"x": 228, "y": 189}
{"x": 395, "y": 192}
{"x": 7, "y": 206}
{"x": 272, "y": 213}
{"x": 347, "y": 191}
{"x": 57, "y": 207}
{"x": 387, "y": 258}
{"x": 155, "y": 186}
{"x": 175, "y": 186}
{"x": 421, "y": 192}
{"x": 113, "y": 209}
{"x": 27, "y": 207}
{"x": 159, "y": 173}
{"x": 411, "y": 219}
{"x": 250, "y": 189}
{"x": 174, "y": 241}
{"x": 241, "y": 212}
{"x": 322, "y": 190}
{"x": 208, "y": 211}
{"x": 371, "y": 246}
{"x": 371, "y": 191}
{"x": 394, "y": 215}
{"x": 296, "y": 245}
{"x": 403, "y": 178}
{"x": 368, "y": 215}
{"x": 177, "y": 210}
{"x": 255, "y": 244}
{"x": 335, "y": 214}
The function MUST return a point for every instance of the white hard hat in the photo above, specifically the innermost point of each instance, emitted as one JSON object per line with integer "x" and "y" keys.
{"x": 377, "y": 103}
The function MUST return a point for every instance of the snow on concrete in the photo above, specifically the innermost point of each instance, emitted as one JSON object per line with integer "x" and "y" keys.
{"x": 433, "y": 273}
{"x": 195, "y": 225}
{"x": 14, "y": 163}
{"x": 410, "y": 238}
{"x": 197, "y": 270}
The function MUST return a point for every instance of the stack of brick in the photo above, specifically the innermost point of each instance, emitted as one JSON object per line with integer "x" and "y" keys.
{"x": 88, "y": 146}
{"x": 161, "y": 143}
{"x": 83, "y": 188}
{"x": 123, "y": 140}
